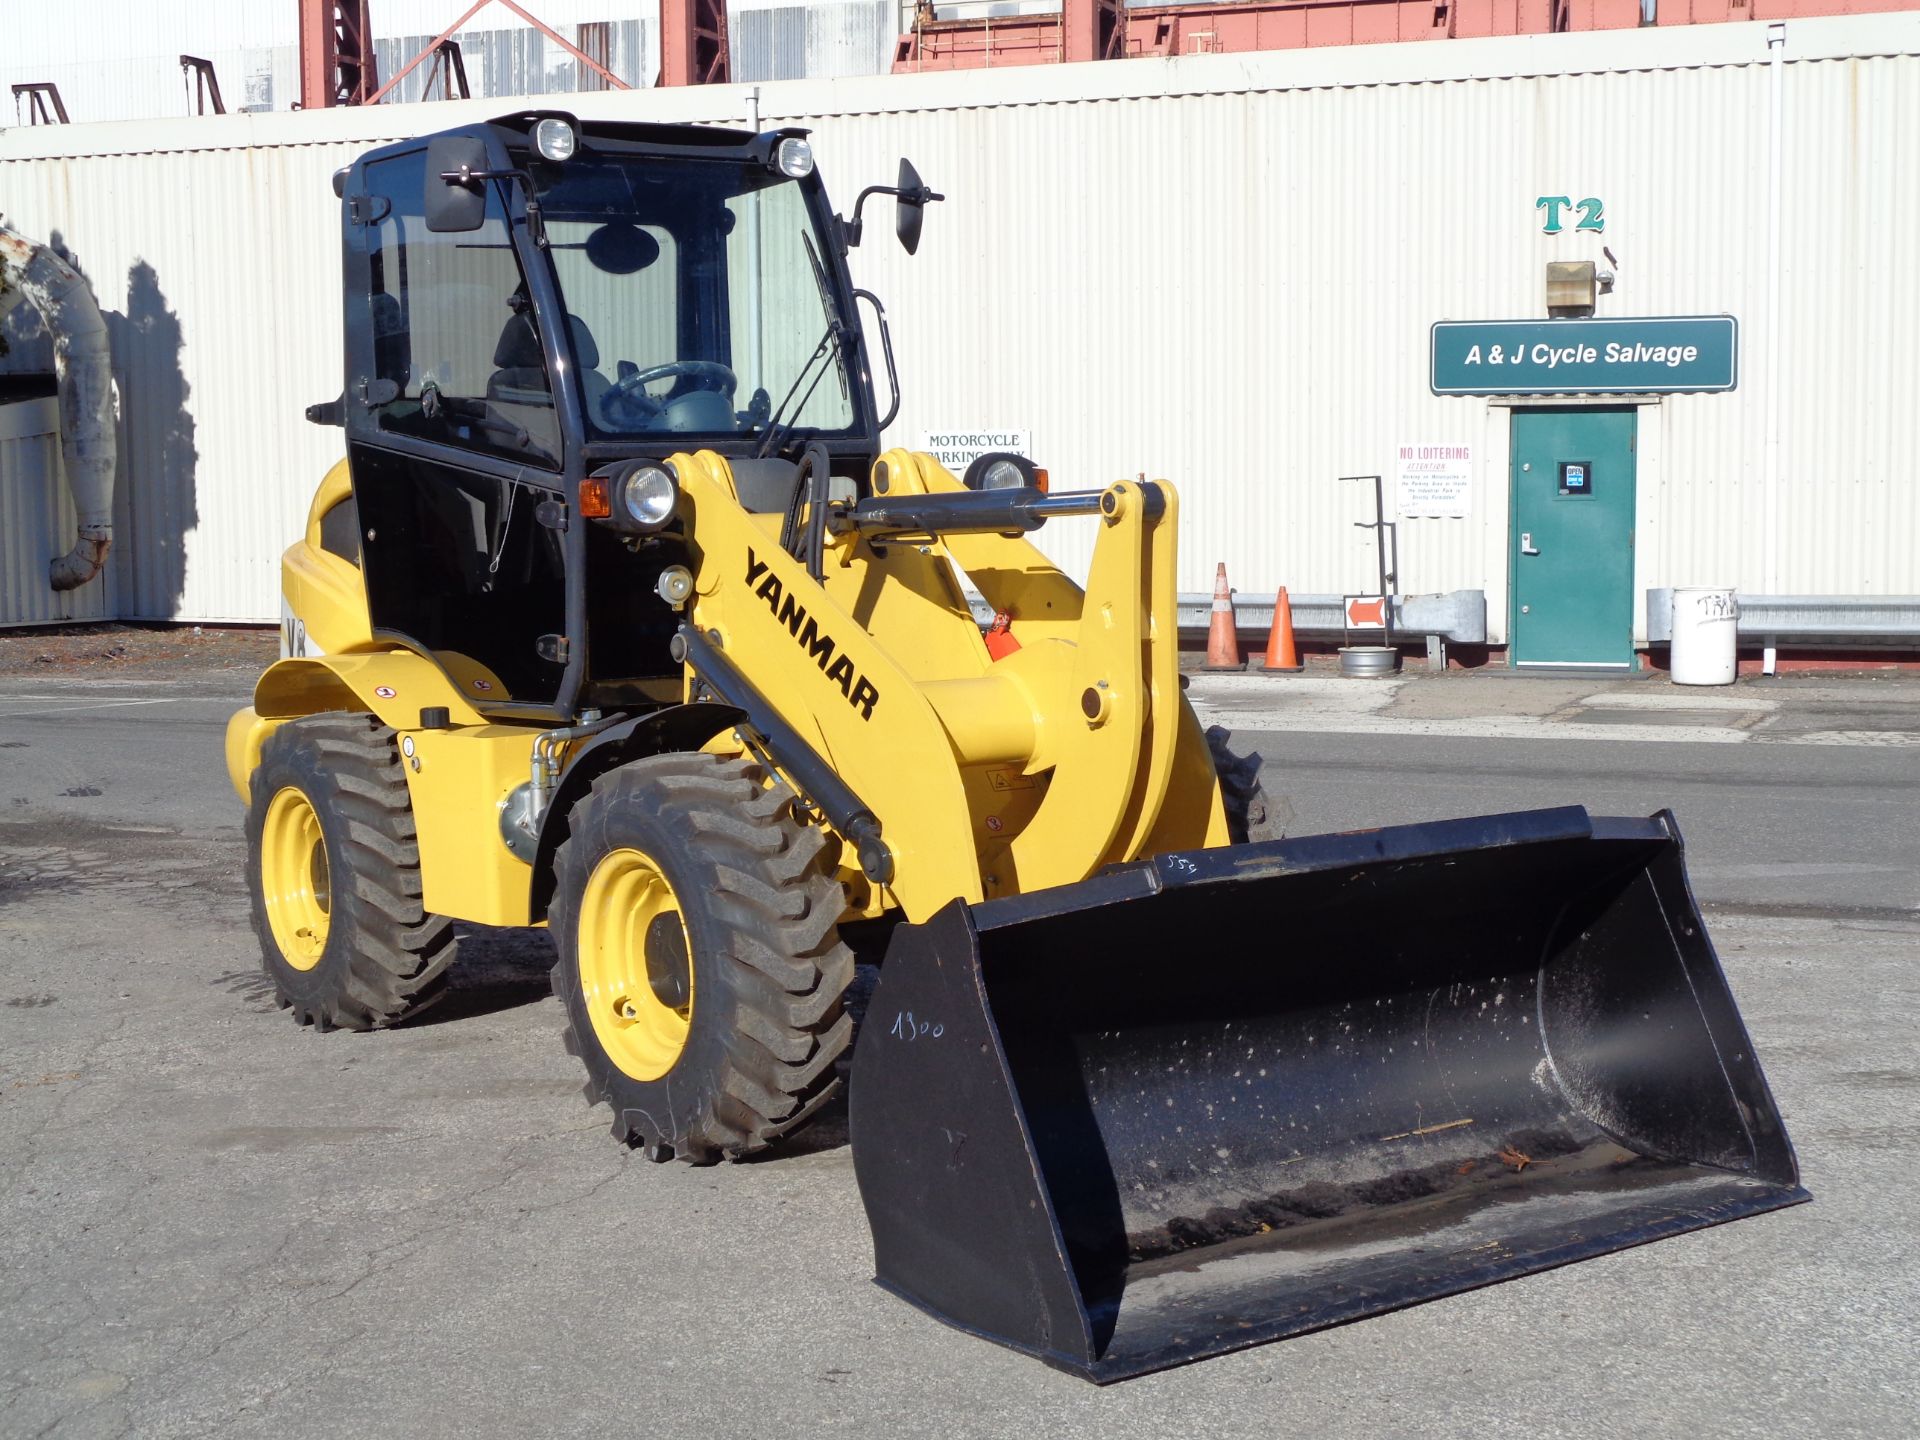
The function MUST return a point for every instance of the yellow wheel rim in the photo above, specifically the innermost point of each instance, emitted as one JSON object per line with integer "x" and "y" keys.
{"x": 294, "y": 879}
{"x": 636, "y": 970}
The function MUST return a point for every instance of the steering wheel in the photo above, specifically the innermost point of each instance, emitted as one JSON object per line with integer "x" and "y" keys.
{"x": 628, "y": 393}
{"x": 705, "y": 374}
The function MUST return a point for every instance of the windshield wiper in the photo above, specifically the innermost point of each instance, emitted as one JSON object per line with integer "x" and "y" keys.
{"x": 836, "y": 327}
{"x": 778, "y": 428}
{"x": 832, "y": 344}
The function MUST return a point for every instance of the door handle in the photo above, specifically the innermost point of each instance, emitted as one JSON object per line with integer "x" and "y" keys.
{"x": 1526, "y": 543}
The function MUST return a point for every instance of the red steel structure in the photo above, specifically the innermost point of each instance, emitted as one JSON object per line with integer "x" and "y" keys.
{"x": 693, "y": 43}
{"x": 435, "y": 45}
{"x": 1106, "y": 29}
{"x": 336, "y": 54}
{"x": 337, "y": 64}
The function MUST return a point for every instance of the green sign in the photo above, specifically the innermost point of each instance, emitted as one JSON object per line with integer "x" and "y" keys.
{"x": 1593, "y": 214}
{"x": 1585, "y": 357}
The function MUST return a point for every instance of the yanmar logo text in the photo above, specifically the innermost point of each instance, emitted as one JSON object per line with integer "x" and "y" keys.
{"x": 806, "y": 632}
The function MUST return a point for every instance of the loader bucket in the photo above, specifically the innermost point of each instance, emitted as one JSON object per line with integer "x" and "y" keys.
{"x": 1228, "y": 1096}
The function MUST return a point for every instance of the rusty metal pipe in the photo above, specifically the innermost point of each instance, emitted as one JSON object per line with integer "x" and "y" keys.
{"x": 84, "y": 365}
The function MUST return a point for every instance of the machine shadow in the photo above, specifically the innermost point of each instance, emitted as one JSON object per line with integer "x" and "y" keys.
{"x": 155, "y": 493}
{"x": 495, "y": 970}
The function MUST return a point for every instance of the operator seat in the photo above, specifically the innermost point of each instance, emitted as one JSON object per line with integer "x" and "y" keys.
{"x": 392, "y": 342}
{"x": 520, "y": 376}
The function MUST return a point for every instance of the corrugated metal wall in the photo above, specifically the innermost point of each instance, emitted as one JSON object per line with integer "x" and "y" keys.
{"x": 817, "y": 41}
{"x": 37, "y": 521}
{"x": 218, "y": 274}
{"x": 1217, "y": 269}
{"x": 1234, "y": 290}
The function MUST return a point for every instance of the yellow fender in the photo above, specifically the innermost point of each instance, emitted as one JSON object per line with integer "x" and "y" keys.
{"x": 396, "y": 685}
{"x": 457, "y": 776}
{"x": 324, "y": 590}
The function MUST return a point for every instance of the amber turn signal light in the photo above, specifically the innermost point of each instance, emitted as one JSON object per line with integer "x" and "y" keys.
{"x": 595, "y": 502}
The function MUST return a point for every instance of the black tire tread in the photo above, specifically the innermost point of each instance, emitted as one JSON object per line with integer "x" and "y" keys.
{"x": 1250, "y": 817}
{"x": 396, "y": 954}
{"x": 786, "y": 966}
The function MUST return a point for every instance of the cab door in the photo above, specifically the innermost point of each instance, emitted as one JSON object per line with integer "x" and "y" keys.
{"x": 453, "y": 442}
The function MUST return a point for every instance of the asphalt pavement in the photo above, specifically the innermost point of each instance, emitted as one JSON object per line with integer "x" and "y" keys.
{"x": 213, "y": 1222}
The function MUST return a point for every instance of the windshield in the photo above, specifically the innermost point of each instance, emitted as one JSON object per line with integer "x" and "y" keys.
{"x": 696, "y": 296}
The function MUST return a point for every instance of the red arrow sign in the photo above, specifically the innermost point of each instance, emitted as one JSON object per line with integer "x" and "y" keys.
{"x": 1366, "y": 612}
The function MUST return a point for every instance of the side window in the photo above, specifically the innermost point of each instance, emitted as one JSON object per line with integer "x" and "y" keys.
{"x": 452, "y": 327}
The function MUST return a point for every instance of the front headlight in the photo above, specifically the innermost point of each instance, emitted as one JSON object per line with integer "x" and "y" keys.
{"x": 554, "y": 139}
{"x": 647, "y": 496}
{"x": 794, "y": 157}
{"x": 1002, "y": 475}
{"x": 1003, "y": 470}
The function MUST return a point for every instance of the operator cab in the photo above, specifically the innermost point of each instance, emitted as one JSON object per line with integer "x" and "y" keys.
{"x": 534, "y": 299}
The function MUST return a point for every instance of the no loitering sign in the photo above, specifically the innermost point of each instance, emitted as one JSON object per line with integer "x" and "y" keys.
{"x": 1433, "y": 478}
{"x": 1689, "y": 353}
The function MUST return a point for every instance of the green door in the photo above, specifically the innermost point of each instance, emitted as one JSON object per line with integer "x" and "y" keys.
{"x": 1572, "y": 541}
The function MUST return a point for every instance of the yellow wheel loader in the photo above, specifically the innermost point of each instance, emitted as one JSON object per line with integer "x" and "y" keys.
{"x": 616, "y": 618}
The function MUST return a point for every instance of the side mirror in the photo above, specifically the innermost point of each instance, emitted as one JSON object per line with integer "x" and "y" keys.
{"x": 911, "y": 198}
{"x": 455, "y": 204}
{"x": 910, "y": 208}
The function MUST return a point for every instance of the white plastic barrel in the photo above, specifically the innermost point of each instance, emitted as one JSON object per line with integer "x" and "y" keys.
{"x": 1703, "y": 636}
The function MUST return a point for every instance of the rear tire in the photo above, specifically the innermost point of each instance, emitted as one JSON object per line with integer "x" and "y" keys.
{"x": 1250, "y": 816}
{"x": 333, "y": 868}
{"x": 726, "y": 1033}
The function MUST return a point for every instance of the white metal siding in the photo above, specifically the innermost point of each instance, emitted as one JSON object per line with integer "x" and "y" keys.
{"x": 1849, "y": 506}
{"x": 37, "y": 521}
{"x": 1217, "y": 269}
{"x": 122, "y": 60}
{"x": 218, "y": 273}
{"x": 1234, "y": 291}
{"x": 816, "y": 41}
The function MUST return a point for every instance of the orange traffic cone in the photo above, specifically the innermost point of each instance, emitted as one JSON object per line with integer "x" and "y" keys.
{"x": 1280, "y": 652}
{"x": 1223, "y": 643}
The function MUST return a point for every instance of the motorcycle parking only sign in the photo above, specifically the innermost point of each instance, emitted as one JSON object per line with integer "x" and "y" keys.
{"x": 956, "y": 449}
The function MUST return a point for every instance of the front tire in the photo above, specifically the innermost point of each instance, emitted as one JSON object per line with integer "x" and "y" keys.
{"x": 700, "y": 963}
{"x": 1250, "y": 815}
{"x": 333, "y": 868}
